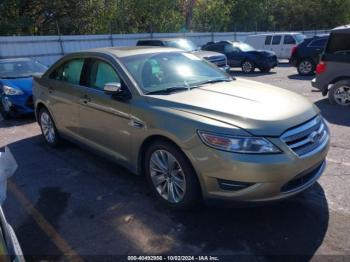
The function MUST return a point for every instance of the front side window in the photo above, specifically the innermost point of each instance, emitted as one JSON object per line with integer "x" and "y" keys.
{"x": 69, "y": 72}
{"x": 228, "y": 49}
{"x": 101, "y": 73}
{"x": 289, "y": 40}
{"x": 156, "y": 72}
{"x": 20, "y": 68}
{"x": 276, "y": 40}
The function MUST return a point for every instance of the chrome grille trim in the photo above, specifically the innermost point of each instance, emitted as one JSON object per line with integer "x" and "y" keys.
{"x": 308, "y": 138}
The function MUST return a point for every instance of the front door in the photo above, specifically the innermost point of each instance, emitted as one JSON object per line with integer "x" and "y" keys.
{"x": 104, "y": 120}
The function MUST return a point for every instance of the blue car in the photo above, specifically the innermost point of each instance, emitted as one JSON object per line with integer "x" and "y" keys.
{"x": 16, "y": 77}
{"x": 245, "y": 56}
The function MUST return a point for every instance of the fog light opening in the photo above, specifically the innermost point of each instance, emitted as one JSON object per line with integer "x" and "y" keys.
{"x": 233, "y": 185}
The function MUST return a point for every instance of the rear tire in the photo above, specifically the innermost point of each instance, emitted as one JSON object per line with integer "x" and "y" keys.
{"x": 48, "y": 128}
{"x": 248, "y": 67}
{"x": 340, "y": 93}
{"x": 306, "y": 67}
{"x": 171, "y": 176}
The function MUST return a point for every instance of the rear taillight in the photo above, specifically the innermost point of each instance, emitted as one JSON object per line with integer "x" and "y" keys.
{"x": 321, "y": 67}
{"x": 294, "y": 50}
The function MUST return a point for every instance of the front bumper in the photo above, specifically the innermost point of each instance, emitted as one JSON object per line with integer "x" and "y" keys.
{"x": 19, "y": 104}
{"x": 226, "y": 68}
{"x": 261, "y": 177}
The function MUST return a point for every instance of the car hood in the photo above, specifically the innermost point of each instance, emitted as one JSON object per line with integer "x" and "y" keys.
{"x": 24, "y": 84}
{"x": 207, "y": 54}
{"x": 260, "y": 109}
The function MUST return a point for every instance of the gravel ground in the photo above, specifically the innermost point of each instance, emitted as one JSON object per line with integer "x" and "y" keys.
{"x": 68, "y": 203}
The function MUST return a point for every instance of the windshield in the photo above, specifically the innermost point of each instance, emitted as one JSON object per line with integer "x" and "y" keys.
{"x": 183, "y": 44}
{"x": 244, "y": 47}
{"x": 156, "y": 72}
{"x": 299, "y": 38}
{"x": 20, "y": 68}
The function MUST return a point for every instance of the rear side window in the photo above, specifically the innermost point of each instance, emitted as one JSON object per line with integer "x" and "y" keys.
{"x": 268, "y": 40}
{"x": 276, "y": 40}
{"x": 339, "y": 44}
{"x": 102, "y": 73}
{"x": 318, "y": 43}
{"x": 69, "y": 72}
{"x": 289, "y": 40}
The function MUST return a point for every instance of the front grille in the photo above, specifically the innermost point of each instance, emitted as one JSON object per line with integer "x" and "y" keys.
{"x": 303, "y": 179}
{"x": 217, "y": 60}
{"x": 307, "y": 137}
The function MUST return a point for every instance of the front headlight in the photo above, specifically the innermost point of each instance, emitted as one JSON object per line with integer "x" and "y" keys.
{"x": 238, "y": 144}
{"x": 11, "y": 91}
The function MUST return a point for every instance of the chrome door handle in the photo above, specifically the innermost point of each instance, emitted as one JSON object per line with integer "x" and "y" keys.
{"x": 51, "y": 90}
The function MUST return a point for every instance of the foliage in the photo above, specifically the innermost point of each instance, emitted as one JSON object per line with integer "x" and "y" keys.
{"x": 45, "y": 17}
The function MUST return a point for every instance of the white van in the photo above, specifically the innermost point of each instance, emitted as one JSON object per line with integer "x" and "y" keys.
{"x": 281, "y": 43}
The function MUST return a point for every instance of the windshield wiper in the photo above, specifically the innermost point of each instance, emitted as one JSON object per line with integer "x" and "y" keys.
{"x": 212, "y": 81}
{"x": 169, "y": 90}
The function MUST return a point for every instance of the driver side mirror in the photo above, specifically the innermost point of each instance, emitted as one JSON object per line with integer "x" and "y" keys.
{"x": 116, "y": 91}
{"x": 112, "y": 88}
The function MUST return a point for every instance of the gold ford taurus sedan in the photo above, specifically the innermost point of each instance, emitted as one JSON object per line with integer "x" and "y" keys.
{"x": 193, "y": 130}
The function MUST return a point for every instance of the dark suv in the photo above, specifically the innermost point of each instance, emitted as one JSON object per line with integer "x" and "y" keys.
{"x": 242, "y": 55}
{"x": 187, "y": 45}
{"x": 333, "y": 71}
{"x": 306, "y": 55}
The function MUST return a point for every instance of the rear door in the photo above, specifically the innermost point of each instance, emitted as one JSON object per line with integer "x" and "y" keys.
{"x": 65, "y": 93}
{"x": 104, "y": 120}
{"x": 276, "y": 45}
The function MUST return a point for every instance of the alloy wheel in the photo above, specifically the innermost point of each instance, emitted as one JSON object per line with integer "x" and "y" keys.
{"x": 167, "y": 176}
{"x": 305, "y": 67}
{"x": 247, "y": 67}
{"x": 47, "y": 127}
{"x": 342, "y": 95}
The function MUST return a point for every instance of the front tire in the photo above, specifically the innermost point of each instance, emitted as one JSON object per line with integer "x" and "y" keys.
{"x": 48, "y": 128}
{"x": 171, "y": 176}
{"x": 340, "y": 93}
{"x": 306, "y": 67}
{"x": 248, "y": 67}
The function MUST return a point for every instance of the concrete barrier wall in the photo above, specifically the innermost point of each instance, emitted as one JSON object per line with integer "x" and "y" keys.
{"x": 47, "y": 49}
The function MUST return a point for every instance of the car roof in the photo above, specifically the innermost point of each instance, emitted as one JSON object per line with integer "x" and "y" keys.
{"x": 8, "y": 60}
{"x": 342, "y": 29}
{"x": 124, "y": 51}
